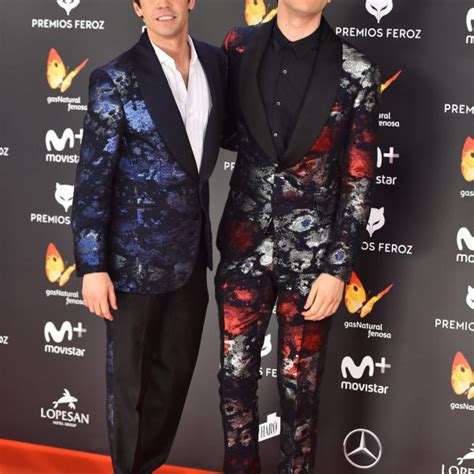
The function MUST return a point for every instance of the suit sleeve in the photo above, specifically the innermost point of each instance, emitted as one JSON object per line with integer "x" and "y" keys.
{"x": 357, "y": 180}
{"x": 91, "y": 209}
{"x": 229, "y": 129}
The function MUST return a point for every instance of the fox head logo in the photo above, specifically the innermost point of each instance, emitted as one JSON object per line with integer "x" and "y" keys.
{"x": 376, "y": 220}
{"x": 267, "y": 345}
{"x": 379, "y": 8}
{"x": 64, "y": 194}
{"x": 68, "y": 5}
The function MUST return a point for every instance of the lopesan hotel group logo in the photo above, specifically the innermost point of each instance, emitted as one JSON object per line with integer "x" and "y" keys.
{"x": 464, "y": 463}
{"x": 66, "y": 18}
{"x": 64, "y": 412}
{"x": 380, "y": 11}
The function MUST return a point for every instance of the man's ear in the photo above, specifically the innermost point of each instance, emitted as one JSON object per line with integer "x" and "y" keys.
{"x": 191, "y": 5}
{"x": 137, "y": 9}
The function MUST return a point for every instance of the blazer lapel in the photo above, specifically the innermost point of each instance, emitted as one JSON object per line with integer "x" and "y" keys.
{"x": 320, "y": 97}
{"x": 161, "y": 104}
{"x": 211, "y": 138}
{"x": 251, "y": 102}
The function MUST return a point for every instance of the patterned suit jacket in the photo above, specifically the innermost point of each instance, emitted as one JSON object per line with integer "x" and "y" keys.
{"x": 139, "y": 202}
{"x": 316, "y": 198}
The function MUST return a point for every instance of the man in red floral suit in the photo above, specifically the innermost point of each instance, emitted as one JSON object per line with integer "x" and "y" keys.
{"x": 303, "y": 117}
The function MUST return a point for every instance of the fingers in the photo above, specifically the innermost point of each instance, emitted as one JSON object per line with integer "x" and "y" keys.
{"x": 99, "y": 295}
{"x": 334, "y": 308}
{"x": 105, "y": 310}
{"x": 322, "y": 308}
{"x": 319, "y": 303}
{"x": 97, "y": 309}
{"x": 324, "y": 297}
{"x": 112, "y": 298}
{"x": 311, "y": 297}
{"x": 324, "y": 311}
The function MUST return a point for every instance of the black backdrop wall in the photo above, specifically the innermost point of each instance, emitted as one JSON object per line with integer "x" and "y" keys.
{"x": 398, "y": 373}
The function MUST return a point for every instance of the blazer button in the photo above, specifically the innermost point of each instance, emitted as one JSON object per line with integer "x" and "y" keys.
{"x": 196, "y": 217}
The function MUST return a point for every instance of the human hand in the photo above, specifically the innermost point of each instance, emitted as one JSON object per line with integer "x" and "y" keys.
{"x": 99, "y": 294}
{"x": 324, "y": 298}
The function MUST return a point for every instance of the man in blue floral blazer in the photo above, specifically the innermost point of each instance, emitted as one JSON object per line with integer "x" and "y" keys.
{"x": 141, "y": 227}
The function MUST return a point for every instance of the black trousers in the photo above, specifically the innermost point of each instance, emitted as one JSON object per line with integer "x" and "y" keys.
{"x": 152, "y": 348}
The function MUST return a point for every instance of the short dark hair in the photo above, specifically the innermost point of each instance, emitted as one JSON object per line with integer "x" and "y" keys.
{"x": 137, "y": 2}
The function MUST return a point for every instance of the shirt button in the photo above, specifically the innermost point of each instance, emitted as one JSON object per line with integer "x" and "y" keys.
{"x": 275, "y": 134}
{"x": 278, "y": 103}
{"x": 284, "y": 71}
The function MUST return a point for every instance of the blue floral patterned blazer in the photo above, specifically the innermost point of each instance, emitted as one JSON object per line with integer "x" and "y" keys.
{"x": 140, "y": 203}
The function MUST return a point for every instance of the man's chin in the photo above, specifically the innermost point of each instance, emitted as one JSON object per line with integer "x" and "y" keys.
{"x": 165, "y": 31}
{"x": 308, "y": 13}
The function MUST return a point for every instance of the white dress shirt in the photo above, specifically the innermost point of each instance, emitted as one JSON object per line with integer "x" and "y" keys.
{"x": 194, "y": 103}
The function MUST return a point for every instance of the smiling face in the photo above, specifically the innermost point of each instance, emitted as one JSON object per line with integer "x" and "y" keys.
{"x": 165, "y": 18}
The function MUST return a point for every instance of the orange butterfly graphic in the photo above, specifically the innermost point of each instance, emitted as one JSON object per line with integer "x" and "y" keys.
{"x": 462, "y": 376}
{"x": 355, "y": 297}
{"x": 467, "y": 159}
{"x": 57, "y": 74}
{"x": 389, "y": 82}
{"x": 56, "y": 270}
{"x": 257, "y": 12}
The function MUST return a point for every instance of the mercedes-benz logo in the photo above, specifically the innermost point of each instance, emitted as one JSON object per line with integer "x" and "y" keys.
{"x": 370, "y": 451}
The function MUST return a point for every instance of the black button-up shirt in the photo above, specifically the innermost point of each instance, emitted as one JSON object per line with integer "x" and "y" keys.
{"x": 283, "y": 78}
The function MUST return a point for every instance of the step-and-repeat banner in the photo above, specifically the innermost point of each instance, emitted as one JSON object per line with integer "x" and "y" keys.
{"x": 398, "y": 391}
